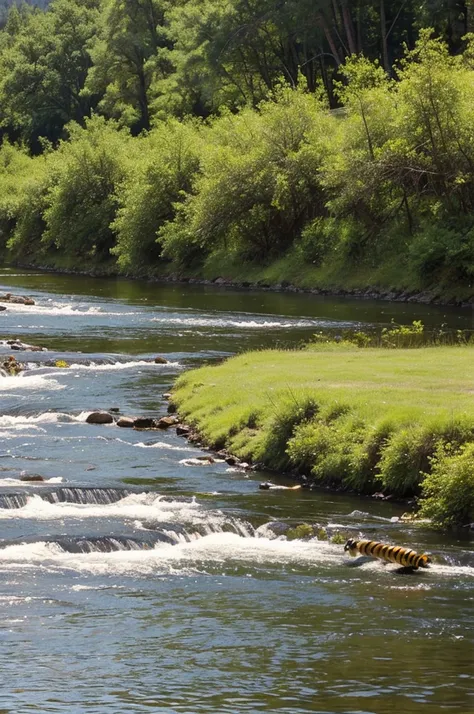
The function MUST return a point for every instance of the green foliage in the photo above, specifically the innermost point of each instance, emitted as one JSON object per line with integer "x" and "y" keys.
{"x": 303, "y": 531}
{"x": 259, "y": 180}
{"x": 128, "y": 56}
{"x": 43, "y": 68}
{"x": 24, "y": 183}
{"x": 381, "y": 186}
{"x": 167, "y": 161}
{"x": 448, "y": 491}
{"x": 408, "y": 452}
{"x": 444, "y": 251}
{"x": 82, "y": 201}
{"x": 291, "y": 413}
{"x": 365, "y": 420}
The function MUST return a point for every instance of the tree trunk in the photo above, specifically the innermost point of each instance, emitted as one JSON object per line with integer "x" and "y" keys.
{"x": 330, "y": 40}
{"x": 348, "y": 27}
{"x": 383, "y": 32}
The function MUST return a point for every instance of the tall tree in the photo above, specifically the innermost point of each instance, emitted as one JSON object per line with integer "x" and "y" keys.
{"x": 43, "y": 68}
{"x": 127, "y": 58}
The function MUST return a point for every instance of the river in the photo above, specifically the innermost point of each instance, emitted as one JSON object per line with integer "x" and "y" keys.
{"x": 133, "y": 582}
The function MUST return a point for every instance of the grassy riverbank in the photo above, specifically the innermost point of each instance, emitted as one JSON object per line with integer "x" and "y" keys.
{"x": 398, "y": 421}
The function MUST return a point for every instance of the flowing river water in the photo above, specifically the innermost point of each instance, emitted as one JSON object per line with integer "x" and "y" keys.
{"x": 132, "y": 582}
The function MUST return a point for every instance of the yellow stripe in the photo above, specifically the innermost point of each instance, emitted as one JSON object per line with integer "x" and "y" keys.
{"x": 376, "y": 548}
{"x": 395, "y": 553}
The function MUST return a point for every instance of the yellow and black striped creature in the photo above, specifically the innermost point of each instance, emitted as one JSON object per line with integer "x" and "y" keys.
{"x": 392, "y": 553}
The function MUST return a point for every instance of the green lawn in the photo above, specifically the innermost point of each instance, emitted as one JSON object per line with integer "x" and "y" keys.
{"x": 366, "y": 419}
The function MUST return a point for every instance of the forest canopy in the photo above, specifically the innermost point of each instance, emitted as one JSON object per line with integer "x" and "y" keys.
{"x": 327, "y": 134}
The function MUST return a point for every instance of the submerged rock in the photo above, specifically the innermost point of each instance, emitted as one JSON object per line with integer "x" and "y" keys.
{"x": 99, "y": 418}
{"x": 269, "y": 486}
{"x": 24, "y": 347}
{"x": 17, "y": 299}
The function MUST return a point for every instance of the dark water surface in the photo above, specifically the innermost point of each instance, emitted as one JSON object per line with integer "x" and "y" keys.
{"x": 132, "y": 582}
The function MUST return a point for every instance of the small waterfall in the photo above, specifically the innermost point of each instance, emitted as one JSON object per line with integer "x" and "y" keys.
{"x": 13, "y": 500}
{"x": 83, "y": 496}
{"x": 86, "y": 496}
{"x": 109, "y": 544}
{"x": 185, "y": 534}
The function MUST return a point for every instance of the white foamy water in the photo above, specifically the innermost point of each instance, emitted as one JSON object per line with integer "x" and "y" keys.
{"x": 64, "y": 309}
{"x": 242, "y": 323}
{"x": 182, "y": 558}
{"x": 217, "y": 549}
{"x": 19, "y": 482}
{"x": 23, "y": 422}
{"x": 121, "y": 365}
{"x": 160, "y": 445}
{"x": 141, "y": 506}
{"x": 31, "y": 381}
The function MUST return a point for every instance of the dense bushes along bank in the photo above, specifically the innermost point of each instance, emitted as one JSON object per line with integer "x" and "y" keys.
{"x": 379, "y": 193}
{"x": 399, "y": 421}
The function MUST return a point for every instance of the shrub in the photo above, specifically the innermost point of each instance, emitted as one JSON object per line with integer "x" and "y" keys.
{"x": 291, "y": 413}
{"x": 408, "y": 453}
{"x": 163, "y": 174}
{"x": 82, "y": 200}
{"x": 444, "y": 252}
{"x": 448, "y": 491}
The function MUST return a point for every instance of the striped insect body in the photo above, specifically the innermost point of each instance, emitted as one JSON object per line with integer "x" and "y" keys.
{"x": 392, "y": 553}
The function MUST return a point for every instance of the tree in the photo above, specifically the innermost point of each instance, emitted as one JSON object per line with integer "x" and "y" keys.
{"x": 128, "y": 57}
{"x": 43, "y": 66}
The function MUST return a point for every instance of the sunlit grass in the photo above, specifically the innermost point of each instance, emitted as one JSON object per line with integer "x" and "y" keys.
{"x": 356, "y": 418}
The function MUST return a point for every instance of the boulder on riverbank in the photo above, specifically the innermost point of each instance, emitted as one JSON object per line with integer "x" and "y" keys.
{"x": 166, "y": 422}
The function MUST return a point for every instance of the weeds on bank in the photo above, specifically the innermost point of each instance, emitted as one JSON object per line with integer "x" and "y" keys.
{"x": 397, "y": 337}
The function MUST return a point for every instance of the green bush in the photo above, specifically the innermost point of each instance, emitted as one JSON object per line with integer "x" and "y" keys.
{"x": 448, "y": 491}
{"x": 409, "y": 451}
{"x": 82, "y": 201}
{"x": 443, "y": 253}
{"x": 291, "y": 413}
{"x": 167, "y": 162}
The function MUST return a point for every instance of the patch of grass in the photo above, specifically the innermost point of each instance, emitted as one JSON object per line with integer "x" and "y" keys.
{"x": 356, "y": 419}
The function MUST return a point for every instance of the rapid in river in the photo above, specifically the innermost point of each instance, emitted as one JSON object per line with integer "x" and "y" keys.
{"x": 131, "y": 581}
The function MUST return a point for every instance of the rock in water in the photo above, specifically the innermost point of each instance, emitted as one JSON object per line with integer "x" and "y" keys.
{"x": 166, "y": 422}
{"x": 182, "y": 430}
{"x": 160, "y": 360}
{"x": 144, "y": 423}
{"x": 126, "y": 422}
{"x": 100, "y": 418}
{"x": 31, "y": 477}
